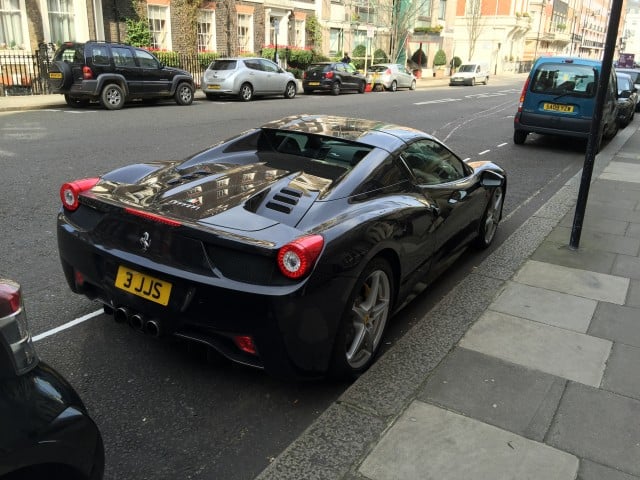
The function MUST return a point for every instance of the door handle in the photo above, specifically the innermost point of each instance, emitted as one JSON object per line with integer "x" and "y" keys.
{"x": 457, "y": 196}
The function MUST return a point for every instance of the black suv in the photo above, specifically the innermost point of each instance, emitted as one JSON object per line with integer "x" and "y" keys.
{"x": 112, "y": 74}
{"x": 333, "y": 76}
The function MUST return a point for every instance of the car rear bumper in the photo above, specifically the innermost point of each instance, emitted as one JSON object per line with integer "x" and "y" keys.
{"x": 293, "y": 331}
{"x": 553, "y": 124}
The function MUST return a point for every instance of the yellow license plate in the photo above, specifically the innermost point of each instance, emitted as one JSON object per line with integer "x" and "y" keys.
{"x": 213, "y": 87}
{"x": 314, "y": 84}
{"x": 558, "y": 108}
{"x": 57, "y": 75}
{"x": 142, "y": 285}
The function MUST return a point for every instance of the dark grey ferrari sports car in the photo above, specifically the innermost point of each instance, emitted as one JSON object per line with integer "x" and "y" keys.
{"x": 287, "y": 247}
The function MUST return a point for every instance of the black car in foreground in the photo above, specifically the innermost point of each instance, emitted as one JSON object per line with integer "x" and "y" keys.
{"x": 287, "y": 247}
{"x": 334, "y": 77}
{"x": 45, "y": 431}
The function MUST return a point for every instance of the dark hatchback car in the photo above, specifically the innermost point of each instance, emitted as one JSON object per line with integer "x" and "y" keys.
{"x": 45, "y": 431}
{"x": 334, "y": 77}
{"x": 287, "y": 247}
{"x": 634, "y": 73}
{"x": 113, "y": 74}
{"x": 627, "y": 99}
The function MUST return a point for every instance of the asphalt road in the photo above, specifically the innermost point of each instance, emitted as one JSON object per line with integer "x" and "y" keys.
{"x": 165, "y": 410}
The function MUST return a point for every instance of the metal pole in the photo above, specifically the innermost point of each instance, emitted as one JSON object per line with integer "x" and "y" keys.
{"x": 595, "y": 132}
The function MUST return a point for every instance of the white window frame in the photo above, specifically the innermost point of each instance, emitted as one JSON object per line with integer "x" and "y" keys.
{"x": 207, "y": 40}
{"x": 62, "y": 20}
{"x": 159, "y": 26}
{"x": 13, "y": 25}
{"x": 300, "y": 33}
{"x": 245, "y": 32}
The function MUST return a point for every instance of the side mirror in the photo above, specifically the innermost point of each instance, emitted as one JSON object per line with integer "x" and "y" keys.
{"x": 625, "y": 94}
{"x": 491, "y": 179}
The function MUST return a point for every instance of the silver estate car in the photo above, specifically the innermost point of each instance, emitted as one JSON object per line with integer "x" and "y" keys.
{"x": 390, "y": 76}
{"x": 247, "y": 78}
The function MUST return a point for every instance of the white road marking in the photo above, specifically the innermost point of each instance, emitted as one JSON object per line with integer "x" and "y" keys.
{"x": 484, "y": 151}
{"x": 444, "y": 100}
{"x": 67, "y": 325}
{"x": 503, "y": 144}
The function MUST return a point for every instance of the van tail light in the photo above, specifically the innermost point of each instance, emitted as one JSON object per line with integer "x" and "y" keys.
{"x": 15, "y": 338}
{"x": 522, "y": 95}
{"x": 296, "y": 259}
{"x": 328, "y": 75}
{"x": 87, "y": 73}
{"x": 70, "y": 192}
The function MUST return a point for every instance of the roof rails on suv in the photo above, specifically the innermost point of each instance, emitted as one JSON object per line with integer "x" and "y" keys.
{"x": 113, "y": 73}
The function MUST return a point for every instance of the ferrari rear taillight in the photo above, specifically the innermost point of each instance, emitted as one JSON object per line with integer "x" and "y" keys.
{"x": 328, "y": 74}
{"x": 87, "y": 73}
{"x": 70, "y": 192}
{"x": 297, "y": 258}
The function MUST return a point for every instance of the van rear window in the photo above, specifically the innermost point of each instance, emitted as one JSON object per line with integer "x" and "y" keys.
{"x": 565, "y": 79}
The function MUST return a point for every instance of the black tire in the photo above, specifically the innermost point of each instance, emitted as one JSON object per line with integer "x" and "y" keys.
{"x": 76, "y": 102}
{"x": 610, "y": 133}
{"x": 211, "y": 96}
{"x": 112, "y": 97}
{"x": 362, "y": 87}
{"x": 413, "y": 85}
{"x": 362, "y": 326}
{"x": 486, "y": 80}
{"x": 491, "y": 219}
{"x": 307, "y": 91}
{"x": 290, "y": 90}
{"x": 184, "y": 94}
{"x": 378, "y": 87}
{"x": 393, "y": 87}
{"x": 66, "y": 77}
{"x": 473, "y": 82}
{"x": 519, "y": 136}
{"x": 246, "y": 92}
{"x": 335, "y": 88}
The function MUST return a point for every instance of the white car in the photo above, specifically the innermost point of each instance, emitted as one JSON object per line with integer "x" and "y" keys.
{"x": 390, "y": 76}
{"x": 470, "y": 74}
{"x": 247, "y": 78}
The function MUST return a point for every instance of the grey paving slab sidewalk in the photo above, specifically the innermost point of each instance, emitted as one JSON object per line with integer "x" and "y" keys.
{"x": 527, "y": 370}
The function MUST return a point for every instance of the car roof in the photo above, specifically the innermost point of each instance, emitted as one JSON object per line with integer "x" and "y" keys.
{"x": 569, "y": 60}
{"x": 387, "y": 136}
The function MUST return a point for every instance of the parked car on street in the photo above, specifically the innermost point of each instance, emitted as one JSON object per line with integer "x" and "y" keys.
{"x": 470, "y": 74}
{"x": 334, "y": 77}
{"x": 634, "y": 73}
{"x": 113, "y": 74}
{"x": 390, "y": 76}
{"x": 287, "y": 247}
{"x": 46, "y": 431}
{"x": 627, "y": 99}
{"x": 559, "y": 98}
{"x": 247, "y": 78}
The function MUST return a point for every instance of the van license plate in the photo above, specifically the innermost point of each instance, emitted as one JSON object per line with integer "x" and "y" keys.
{"x": 56, "y": 75}
{"x": 144, "y": 286}
{"x": 314, "y": 84}
{"x": 554, "y": 107}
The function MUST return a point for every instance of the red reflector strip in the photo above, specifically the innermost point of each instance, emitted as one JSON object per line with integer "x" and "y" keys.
{"x": 153, "y": 217}
{"x": 9, "y": 297}
{"x": 245, "y": 343}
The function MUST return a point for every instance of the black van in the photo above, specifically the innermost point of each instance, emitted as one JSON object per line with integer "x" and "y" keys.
{"x": 559, "y": 98}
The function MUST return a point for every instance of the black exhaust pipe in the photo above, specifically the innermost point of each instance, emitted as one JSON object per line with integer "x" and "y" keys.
{"x": 152, "y": 327}
{"x": 136, "y": 322}
{"x": 121, "y": 314}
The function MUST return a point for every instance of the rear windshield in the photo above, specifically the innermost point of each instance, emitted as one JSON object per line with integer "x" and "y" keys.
{"x": 70, "y": 53}
{"x": 378, "y": 68}
{"x": 223, "y": 65}
{"x": 565, "y": 79}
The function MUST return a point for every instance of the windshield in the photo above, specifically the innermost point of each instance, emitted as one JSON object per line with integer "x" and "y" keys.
{"x": 565, "y": 79}
{"x": 467, "y": 68}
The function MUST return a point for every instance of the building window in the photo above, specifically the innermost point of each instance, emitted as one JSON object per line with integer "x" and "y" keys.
{"x": 158, "y": 26}
{"x": 424, "y": 10}
{"x": 335, "y": 41}
{"x": 442, "y": 10}
{"x": 206, "y": 31}
{"x": 245, "y": 32}
{"x": 300, "y": 34}
{"x": 61, "y": 20}
{"x": 10, "y": 24}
